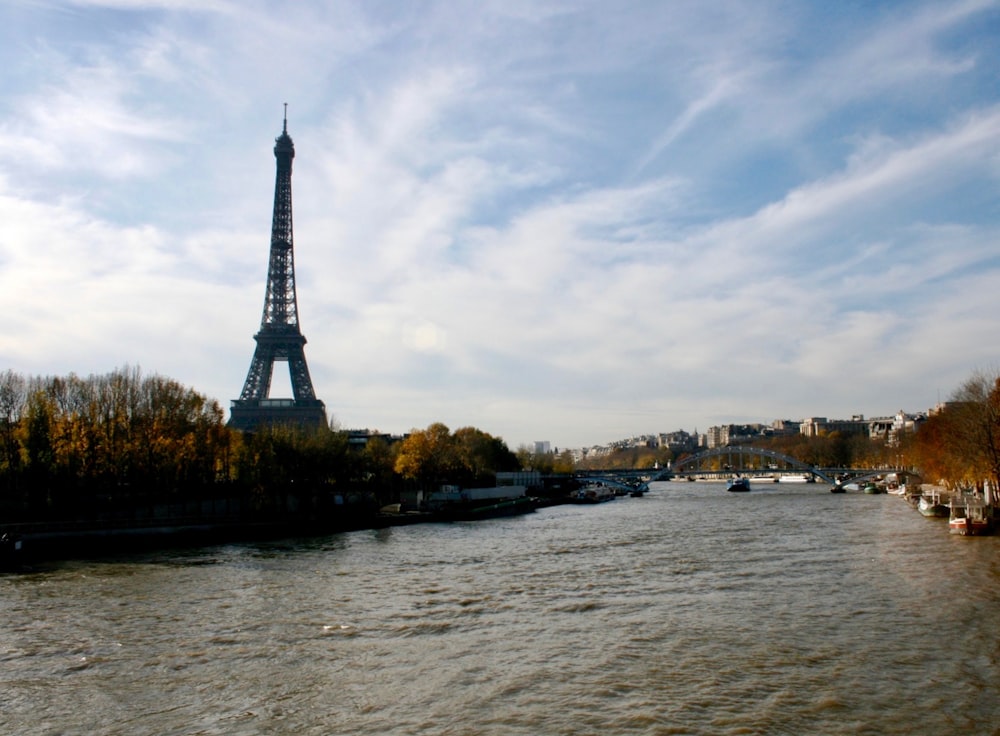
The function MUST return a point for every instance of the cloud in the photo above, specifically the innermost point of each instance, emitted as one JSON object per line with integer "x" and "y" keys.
{"x": 593, "y": 313}
{"x": 728, "y": 212}
{"x": 85, "y": 123}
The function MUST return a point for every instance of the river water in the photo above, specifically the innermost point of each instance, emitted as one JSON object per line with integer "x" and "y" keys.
{"x": 786, "y": 610}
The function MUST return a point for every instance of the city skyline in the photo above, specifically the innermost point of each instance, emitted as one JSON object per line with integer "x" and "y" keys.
{"x": 552, "y": 221}
{"x": 903, "y": 417}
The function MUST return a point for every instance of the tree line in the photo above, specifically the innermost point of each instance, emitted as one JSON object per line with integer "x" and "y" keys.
{"x": 67, "y": 443}
{"x": 959, "y": 445}
{"x": 72, "y": 447}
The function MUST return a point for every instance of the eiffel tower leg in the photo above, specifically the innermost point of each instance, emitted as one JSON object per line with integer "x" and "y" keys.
{"x": 258, "y": 383}
{"x": 302, "y": 388}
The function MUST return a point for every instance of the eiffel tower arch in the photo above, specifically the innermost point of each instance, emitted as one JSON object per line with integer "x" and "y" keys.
{"x": 279, "y": 338}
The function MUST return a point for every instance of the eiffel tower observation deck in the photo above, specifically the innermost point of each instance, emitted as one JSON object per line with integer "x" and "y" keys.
{"x": 279, "y": 338}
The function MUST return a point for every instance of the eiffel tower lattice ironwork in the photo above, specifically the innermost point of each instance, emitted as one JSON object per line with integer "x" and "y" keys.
{"x": 279, "y": 339}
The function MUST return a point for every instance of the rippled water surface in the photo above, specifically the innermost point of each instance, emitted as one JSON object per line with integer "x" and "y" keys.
{"x": 787, "y": 610}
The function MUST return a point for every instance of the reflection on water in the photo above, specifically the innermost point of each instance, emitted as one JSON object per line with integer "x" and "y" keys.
{"x": 690, "y": 610}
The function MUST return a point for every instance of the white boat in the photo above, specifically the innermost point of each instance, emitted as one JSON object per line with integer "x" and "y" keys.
{"x": 931, "y": 504}
{"x": 894, "y": 486}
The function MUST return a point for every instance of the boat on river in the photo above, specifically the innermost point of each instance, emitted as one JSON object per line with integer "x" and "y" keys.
{"x": 895, "y": 485}
{"x": 738, "y": 485}
{"x": 594, "y": 493}
{"x": 477, "y": 511}
{"x": 932, "y": 505}
{"x": 967, "y": 516}
{"x": 452, "y": 503}
{"x": 796, "y": 478}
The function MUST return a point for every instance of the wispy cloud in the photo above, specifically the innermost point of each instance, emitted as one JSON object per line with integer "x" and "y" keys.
{"x": 554, "y": 221}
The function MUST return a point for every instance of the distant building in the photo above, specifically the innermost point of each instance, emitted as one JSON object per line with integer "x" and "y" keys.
{"x": 359, "y": 438}
{"x": 816, "y": 426}
{"x": 732, "y": 434}
{"x": 679, "y": 441}
{"x": 782, "y": 427}
{"x": 903, "y": 424}
{"x": 885, "y": 429}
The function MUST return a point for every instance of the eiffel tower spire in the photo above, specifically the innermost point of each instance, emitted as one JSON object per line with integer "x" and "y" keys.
{"x": 279, "y": 338}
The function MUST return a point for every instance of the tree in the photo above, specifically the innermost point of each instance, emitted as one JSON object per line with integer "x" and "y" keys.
{"x": 425, "y": 455}
{"x": 934, "y": 452}
{"x": 479, "y": 455}
{"x": 469, "y": 456}
{"x": 975, "y": 423}
{"x": 959, "y": 445}
{"x": 529, "y": 459}
{"x": 378, "y": 460}
{"x": 564, "y": 463}
{"x": 13, "y": 397}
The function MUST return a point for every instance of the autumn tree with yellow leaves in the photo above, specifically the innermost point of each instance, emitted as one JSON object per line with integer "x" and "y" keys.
{"x": 468, "y": 456}
{"x": 959, "y": 445}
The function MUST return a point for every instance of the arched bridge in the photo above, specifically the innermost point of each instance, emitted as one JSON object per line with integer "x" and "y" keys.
{"x": 725, "y": 462}
{"x": 744, "y": 461}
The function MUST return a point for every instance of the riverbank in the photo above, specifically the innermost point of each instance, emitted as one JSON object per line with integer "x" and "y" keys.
{"x": 47, "y": 541}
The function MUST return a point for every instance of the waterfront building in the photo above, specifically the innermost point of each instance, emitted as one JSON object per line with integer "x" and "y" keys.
{"x": 816, "y": 426}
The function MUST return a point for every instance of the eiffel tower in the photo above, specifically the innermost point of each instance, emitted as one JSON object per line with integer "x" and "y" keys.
{"x": 279, "y": 338}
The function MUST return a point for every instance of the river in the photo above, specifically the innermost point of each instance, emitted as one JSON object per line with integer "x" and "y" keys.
{"x": 786, "y": 610}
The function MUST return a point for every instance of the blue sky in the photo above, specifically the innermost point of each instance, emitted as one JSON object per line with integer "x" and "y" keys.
{"x": 563, "y": 221}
